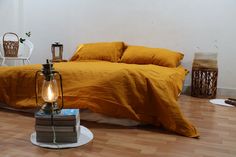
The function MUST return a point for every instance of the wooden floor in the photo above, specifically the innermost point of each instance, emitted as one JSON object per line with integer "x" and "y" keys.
{"x": 216, "y": 124}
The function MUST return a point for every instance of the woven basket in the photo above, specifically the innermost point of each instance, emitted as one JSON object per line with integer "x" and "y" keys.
{"x": 10, "y": 47}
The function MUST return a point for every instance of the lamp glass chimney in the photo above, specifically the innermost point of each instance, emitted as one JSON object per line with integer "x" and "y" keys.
{"x": 50, "y": 91}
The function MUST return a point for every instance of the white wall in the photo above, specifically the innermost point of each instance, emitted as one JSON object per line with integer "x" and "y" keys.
{"x": 8, "y": 16}
{"x": 49, "y": 21}
{"x": 175, "y": 24}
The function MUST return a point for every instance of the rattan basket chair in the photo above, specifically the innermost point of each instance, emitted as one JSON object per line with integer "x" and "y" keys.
{"x": 11, "y": 49}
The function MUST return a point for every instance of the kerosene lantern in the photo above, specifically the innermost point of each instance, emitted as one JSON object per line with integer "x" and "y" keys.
{"x": 49, "y": 90}
{"x": 57, "y": 51}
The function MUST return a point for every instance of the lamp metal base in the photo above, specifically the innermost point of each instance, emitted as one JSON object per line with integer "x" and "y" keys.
{"x": 50, "y": 108}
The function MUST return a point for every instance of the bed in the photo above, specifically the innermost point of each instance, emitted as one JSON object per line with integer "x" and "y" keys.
{"x": 146, "y": 93}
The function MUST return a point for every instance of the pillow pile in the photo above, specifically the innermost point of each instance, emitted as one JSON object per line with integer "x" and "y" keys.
{"x": 113, "y": 52}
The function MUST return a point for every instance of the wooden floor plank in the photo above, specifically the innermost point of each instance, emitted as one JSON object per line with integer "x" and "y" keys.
{"x": 216, "y": 125}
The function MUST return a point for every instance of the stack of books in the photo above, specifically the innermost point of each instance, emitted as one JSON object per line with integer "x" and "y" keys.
{"x": 60, "y": 128}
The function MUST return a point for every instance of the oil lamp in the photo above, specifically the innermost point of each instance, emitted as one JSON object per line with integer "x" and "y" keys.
{"x": 49, "y": 90}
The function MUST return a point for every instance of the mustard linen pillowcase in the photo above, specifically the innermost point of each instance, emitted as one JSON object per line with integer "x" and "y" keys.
{"x": 106, "y": 51}
{"x": 157, "y": 56}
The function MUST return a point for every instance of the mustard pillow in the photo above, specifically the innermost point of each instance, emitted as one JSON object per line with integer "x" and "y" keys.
{"x": 106, "y": 51}
{"x": 157, "y": 56}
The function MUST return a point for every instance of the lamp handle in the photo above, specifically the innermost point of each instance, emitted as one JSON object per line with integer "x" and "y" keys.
{"x": 36, "y": 86}
{"x": 62, "y": 99}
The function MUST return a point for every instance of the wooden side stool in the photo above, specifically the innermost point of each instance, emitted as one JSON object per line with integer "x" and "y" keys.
{"x": 204, "y": 76}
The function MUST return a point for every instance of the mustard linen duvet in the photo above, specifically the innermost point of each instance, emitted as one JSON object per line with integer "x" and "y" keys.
{"x": 146, "y": 93}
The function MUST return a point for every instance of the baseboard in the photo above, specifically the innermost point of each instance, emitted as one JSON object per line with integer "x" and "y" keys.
{"x": 226, "y": 92}
{"x": 186, "y": 90}
{"x": 220, "y": 91}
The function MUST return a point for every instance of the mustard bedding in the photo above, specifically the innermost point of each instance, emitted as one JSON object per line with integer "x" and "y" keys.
{"x": 146, "y": 93}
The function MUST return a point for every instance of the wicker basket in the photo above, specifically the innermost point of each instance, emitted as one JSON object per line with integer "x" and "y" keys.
{"x": 204, "y": 78}
{"x": 10, "y": 47}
